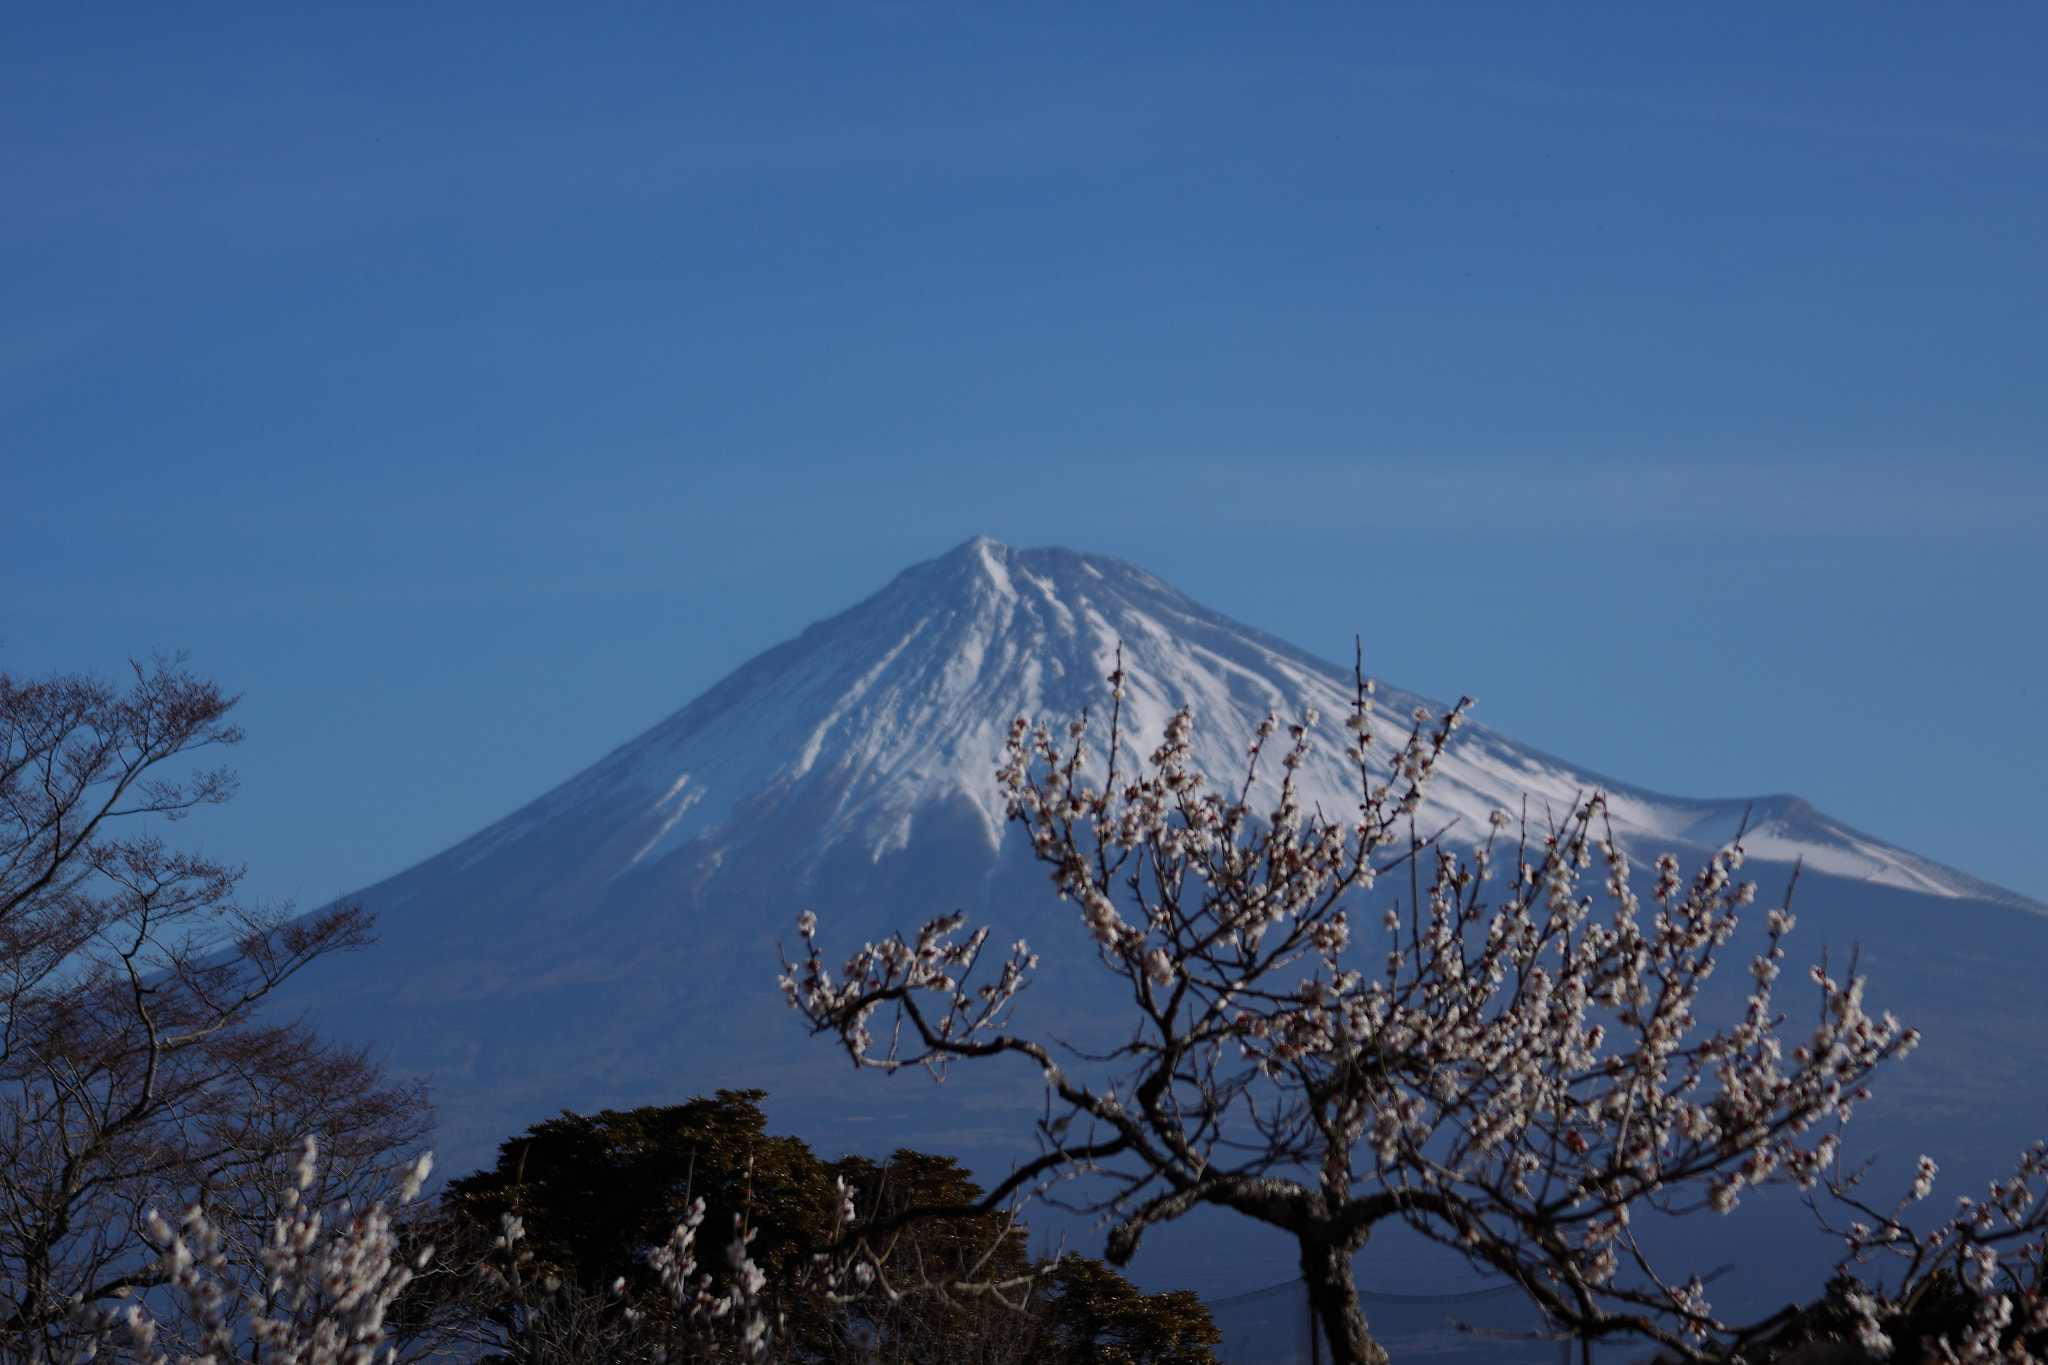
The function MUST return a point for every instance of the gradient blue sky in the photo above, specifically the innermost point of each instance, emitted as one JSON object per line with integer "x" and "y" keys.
{"x": 470, "y": 386}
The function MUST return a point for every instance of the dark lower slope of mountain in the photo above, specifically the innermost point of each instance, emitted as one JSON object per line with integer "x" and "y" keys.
{"x": 615, "y": 942}
{"x": 516, "y": 1015}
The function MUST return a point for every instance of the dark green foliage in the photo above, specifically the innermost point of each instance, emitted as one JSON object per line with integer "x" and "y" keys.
{"x": 1100, "y": 1318}
{"x": 599, "y": 1191}
{"x": 984, "y": 1246}
{"x": 1943, "y": 1308}
{"x": 1825, "y": 1332}
{"x": 958, "y": 1327}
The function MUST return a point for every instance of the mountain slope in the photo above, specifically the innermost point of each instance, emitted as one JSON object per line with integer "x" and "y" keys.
{"x": 614, "y": 941}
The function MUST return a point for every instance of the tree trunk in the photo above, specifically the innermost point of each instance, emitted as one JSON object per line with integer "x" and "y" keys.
{"x": 1333, "y": 1302}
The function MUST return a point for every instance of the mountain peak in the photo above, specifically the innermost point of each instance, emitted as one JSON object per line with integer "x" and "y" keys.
{"x": 1046, "y": 570}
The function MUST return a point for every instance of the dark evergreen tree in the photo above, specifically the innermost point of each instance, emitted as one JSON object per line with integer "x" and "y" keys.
{"x": 1099, "y": 1318}
{"x": 598, "y": 1192}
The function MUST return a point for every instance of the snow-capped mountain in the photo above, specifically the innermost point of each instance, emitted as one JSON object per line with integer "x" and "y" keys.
{"x": 614, "y": 941}
{"x": 874, "y": 720}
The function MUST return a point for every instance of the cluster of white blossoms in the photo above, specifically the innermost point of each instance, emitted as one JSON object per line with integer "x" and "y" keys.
{"x": 934, "y": 963}
{"x": 697, "y": 1306}
{"x": 326, "y": 1285}
{"x": 1996, "y": 1247}
{"x": 321, "y": 1298}
{"x": 1516, "y": 1068}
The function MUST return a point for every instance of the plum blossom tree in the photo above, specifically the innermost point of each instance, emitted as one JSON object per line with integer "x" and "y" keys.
{"x": 1503, "y": 1053}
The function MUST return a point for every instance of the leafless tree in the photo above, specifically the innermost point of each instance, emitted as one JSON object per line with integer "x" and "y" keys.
{"x": 1489, "y": 1058}
{"x": 134, "y": 1071}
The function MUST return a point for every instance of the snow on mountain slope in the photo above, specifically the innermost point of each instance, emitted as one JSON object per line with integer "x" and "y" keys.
{"x": 905, "y": 700}
{"x": 614, "y": 941}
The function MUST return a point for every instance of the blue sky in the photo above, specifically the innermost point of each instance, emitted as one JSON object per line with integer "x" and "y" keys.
{"x": 470, "y": 386}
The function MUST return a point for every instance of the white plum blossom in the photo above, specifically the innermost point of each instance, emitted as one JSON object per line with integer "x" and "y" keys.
{"x": 1514, "y": 1064}
{"x": 1994, "y": 1248}
{"x": 326, "y": 1287}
